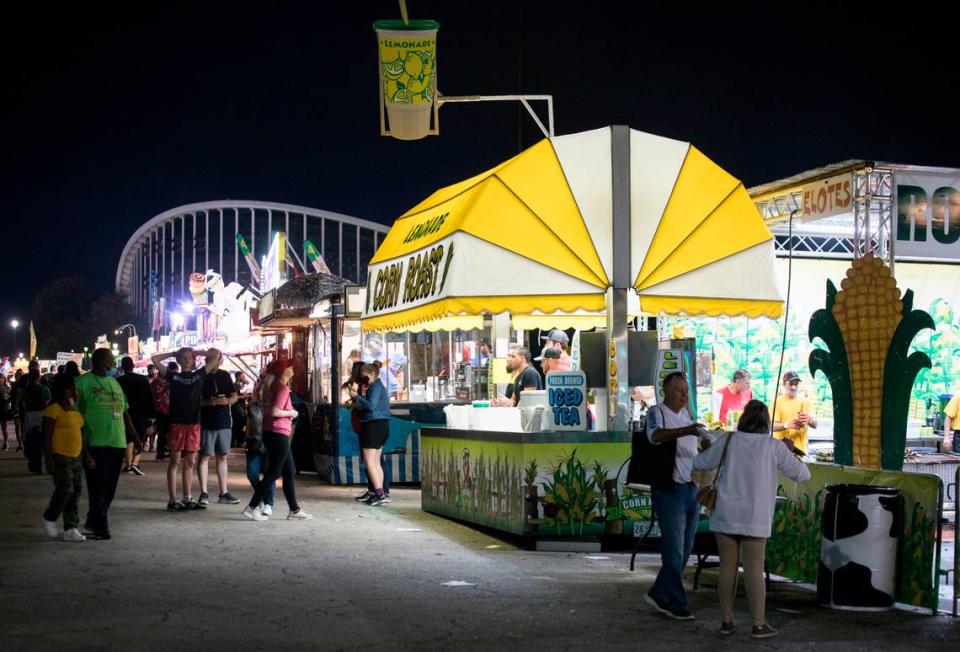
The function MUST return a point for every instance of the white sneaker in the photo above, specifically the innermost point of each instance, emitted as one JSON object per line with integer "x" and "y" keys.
{"x": 267, "y": 510}
{"x": 73, "y": 534}
{"x": 254, "y": 513}
{"x": 299, "y": 515}
{"x": 53, "y": 530}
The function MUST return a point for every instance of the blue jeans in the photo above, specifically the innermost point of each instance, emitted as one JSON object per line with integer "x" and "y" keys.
{"x": 677, "y": 513}
{"x": 256, "y": 464}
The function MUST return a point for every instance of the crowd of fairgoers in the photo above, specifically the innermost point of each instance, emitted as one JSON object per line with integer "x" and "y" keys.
{"x": 89, "y": 428}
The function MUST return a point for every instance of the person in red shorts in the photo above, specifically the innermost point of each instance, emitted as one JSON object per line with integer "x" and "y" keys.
{"x": 183, "y": 438}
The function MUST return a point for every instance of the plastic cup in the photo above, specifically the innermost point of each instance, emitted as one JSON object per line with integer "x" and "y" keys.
{"x": 408, "y": 69}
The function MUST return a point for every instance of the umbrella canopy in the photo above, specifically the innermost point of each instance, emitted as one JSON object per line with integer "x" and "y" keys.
{"x": 304, "y": 291}
{"x": 534, "y": 236}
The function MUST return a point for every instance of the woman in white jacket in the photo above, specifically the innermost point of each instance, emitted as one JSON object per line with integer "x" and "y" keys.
{"x": 743, "y": 517}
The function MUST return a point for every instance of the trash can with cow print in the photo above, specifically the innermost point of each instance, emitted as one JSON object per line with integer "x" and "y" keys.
{"x": 860, "y": 531}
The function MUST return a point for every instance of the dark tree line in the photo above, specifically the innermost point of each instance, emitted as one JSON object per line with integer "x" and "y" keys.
{"x": 68, "y": 315}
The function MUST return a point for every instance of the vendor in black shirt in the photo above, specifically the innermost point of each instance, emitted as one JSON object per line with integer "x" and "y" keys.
{"x": 527, "y": 377}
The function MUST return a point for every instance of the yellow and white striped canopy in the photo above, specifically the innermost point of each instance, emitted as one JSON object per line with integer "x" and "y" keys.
{"x": 534, "y": 237}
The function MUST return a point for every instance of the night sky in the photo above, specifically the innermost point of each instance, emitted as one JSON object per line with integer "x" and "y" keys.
{"x": 114, "y": 113}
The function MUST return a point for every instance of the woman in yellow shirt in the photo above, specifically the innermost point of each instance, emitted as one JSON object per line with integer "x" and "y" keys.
{"x": 63, "y": 445}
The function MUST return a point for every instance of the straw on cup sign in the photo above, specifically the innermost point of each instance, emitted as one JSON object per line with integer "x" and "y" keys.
{"x": 567, "y": 399}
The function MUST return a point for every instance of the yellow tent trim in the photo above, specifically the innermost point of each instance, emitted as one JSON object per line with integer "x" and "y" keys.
{"x": 702, "y": 306}
{"x": 458, "y": 323}
{"x": 469, "y": 306}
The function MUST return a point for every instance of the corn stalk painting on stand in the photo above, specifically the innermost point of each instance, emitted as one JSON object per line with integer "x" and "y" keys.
{"x": 868, "y": 331}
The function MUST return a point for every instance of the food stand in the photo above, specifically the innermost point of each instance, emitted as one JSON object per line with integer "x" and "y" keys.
{"x": 561, "y": 235}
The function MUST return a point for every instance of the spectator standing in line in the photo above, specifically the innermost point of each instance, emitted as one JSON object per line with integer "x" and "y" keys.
{"x": 278, "y": 418}
{"x": 72, "y": 369}
{"x": 136, "y": 389}
{"x": 746, "y": 495}
{"x": 19, "y": 384}
{"x": 103, "y": 405}
{"x": 255, "y": 451}
{"x": 63, "y": 445}
{"x": 374, "y": 429}
{"x": 160, "y": 389}
{"x": 216, "y": 433}
{"x": 183, "y": 439}
{"x": 238, "y": 411}
{"x": 6, "y": 408}
{"x": 360, "y": 382}
{"x": 150, "y": 445}
{"x": 47, "y": 379}
{"x": 33, "y": 400}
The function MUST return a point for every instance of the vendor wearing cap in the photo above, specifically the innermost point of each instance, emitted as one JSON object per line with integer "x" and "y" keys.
{"x": 951, "y": 425}
{"x": 793, "y": 415}
{"x": 558, "y": 339}
{"x": 549, "y": 359}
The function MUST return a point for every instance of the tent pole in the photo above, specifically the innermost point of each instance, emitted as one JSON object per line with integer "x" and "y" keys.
{"x": 618, "y": 361}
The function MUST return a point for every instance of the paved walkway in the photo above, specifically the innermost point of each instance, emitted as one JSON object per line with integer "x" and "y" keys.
{"x": 358, "y": 577}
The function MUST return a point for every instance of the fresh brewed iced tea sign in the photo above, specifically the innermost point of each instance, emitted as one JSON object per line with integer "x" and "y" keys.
{"x": 567, "y": 400}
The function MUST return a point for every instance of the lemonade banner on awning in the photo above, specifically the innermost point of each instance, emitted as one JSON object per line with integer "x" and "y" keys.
{"x": 535, "y": 235}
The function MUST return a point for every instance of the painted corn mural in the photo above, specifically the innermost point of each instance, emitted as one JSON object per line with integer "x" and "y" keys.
{"x": 725, "y": 344}
{"x": 533, "y": 489}
{"x": 868, "y": 331}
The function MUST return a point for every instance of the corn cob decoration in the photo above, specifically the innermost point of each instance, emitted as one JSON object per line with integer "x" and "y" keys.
{"x": 867, "y": 310}
{"x": 868, "y": 330}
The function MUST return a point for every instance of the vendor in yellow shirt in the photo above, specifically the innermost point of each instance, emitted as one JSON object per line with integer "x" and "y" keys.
{"x": 951, "y": 424}
{"x": 793, "y": 415}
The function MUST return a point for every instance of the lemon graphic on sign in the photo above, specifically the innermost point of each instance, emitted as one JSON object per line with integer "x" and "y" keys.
{"x": 413, "y": 65}
{"x": 393, "y": 69}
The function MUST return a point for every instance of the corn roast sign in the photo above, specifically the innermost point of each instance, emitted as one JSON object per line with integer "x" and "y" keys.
{"x": 410, "y": 281}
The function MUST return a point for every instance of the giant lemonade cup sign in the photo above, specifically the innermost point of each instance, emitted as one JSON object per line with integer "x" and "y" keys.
{"x": 408, "y": 70}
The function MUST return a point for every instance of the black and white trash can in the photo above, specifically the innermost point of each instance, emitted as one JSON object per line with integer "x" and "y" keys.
{"x": 860, "y": 531}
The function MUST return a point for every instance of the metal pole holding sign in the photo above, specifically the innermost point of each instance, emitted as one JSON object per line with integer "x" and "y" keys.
{"x": 618, "y": 359}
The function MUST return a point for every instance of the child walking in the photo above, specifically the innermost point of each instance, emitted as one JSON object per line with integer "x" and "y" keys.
{"x": 63, "y": 444}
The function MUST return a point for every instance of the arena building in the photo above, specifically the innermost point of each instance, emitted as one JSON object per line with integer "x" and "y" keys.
{"x": 159, "y": 258}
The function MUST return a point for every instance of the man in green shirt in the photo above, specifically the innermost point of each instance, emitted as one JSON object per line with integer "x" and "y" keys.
{"x": 101, "y": 401}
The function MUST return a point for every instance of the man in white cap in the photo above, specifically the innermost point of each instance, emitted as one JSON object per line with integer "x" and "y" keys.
{"x": 793, "y": 415}
{"x": 559, "y": 340}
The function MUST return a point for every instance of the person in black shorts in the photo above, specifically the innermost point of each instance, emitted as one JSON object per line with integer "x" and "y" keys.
{"x": 374, "y": 428}
{"x": 140, "y": 399}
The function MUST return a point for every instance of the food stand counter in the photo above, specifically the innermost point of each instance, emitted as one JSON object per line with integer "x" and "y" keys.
{"x": 540, "y": 484}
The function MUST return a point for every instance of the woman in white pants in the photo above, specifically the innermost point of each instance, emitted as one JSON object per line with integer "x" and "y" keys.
{"x": 743, "y": 517}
